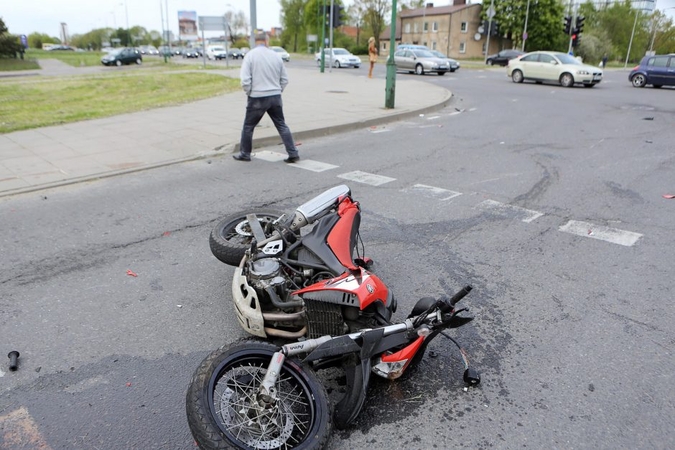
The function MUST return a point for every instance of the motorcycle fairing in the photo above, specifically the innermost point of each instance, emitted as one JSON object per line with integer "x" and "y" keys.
{"x": 246, "y": 305}
{"x": 367, "y": 287}
{"x": 342, "y": 238}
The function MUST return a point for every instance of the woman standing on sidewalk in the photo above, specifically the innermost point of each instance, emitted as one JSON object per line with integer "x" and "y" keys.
{"x": 372, "y": 55}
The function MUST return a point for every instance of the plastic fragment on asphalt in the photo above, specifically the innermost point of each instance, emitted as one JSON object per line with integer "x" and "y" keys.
{"x": 668, "y": 196}
{"x": 128, "y": 384}
{"x": 649, "y": 142}
{"x": 132, "y": 274}
{"x": 648, "y": 118}
{"x": 180, "y": 306}
{"x": 166, "y": 233}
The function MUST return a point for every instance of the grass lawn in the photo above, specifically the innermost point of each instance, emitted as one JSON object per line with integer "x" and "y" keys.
{"x": 75, "y": 59}
{"x": 31, "y": 103}
{"x": 7, "y": 64}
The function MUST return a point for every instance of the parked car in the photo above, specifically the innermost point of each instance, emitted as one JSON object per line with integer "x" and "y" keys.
{"x": 244, "y": 50}
{"x": 216, "y": 52}
{"x": 121, "y": 56}
{"x": 503, "y": 57}
{"x": 341, "y": 58}
{"x": 657, "y": 70}
{"x": 234, "y": 53}
{"x": 454, "y": 65}
{"x": 420, "y": 62}
{"x": 192, "y": 53}
{"x": 165, "y": 51}
{"x": 58, "y": 48}
{"x": 553, "y": 66}
{"x": 283, "y": 53}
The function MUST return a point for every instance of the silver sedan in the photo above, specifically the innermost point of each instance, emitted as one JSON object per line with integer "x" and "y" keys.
{"x": 420, "y": 62}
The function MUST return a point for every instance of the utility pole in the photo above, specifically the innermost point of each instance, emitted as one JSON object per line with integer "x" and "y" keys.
{"x": 527, "y": 14}
{"x": 491, "y": 14}
{"x": 253, "y": 24}
{"x": 390, "y": 87}
{"x": 323, "y": 36}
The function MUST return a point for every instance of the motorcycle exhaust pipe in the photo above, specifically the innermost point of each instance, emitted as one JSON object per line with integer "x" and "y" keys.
{"x": 286, "y": 334}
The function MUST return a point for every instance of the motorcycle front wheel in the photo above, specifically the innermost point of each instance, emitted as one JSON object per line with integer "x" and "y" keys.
{"x": 232, "y": 236}
{"x": 224, "y": 412}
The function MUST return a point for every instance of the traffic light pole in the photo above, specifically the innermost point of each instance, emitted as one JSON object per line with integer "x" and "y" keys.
{"x": 390, "y": 87}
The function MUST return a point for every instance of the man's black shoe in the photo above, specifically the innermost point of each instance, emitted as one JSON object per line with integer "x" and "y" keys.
{"x": 292, "y": 159}
{"x": 239, "y": 157}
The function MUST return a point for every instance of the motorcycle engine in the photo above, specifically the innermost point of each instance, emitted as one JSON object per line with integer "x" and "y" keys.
{"x": 265, "y": 272}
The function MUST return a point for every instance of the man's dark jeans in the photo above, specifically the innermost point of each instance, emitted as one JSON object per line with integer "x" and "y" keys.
{"x": 255, "y": 110}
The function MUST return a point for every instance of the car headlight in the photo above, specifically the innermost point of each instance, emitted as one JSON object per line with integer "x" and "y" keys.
{"x": 583, "y": 72}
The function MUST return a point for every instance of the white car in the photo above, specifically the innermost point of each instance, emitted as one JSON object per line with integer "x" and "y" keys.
{"x": 216, "y": 52}
{"x": 341, "y": 58}
{"x": 282, "y": 52}
{"x": 553, "y": 66}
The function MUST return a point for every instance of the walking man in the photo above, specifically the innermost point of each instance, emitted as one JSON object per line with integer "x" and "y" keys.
{"x": 263, "y": 78}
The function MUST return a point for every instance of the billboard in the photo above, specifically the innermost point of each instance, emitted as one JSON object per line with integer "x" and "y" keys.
{"x": 187, "y": 25}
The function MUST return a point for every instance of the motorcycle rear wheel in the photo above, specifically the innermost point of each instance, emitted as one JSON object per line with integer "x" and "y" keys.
{"x": 232, "y": 236}
{"x": 223, "y": 412}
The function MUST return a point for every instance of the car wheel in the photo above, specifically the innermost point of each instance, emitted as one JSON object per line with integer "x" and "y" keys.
{"x": 440, "y": 73}
{"x": 452, "y": 70}
{"x": 489, "y": 62}
{"x": 139, "y": 61}
{"x": 419, "y": 70}
{"x": 639, "y": 80}
{"x": 118, "y": 63}
{"x": 517, "y": 76}
{"x": 566, "y": 80}
{"x": 657, "y": 86}
{"x": 336, "y": 64}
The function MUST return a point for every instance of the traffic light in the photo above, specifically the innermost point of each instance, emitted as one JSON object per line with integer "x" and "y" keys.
{"x": 579, "y": 25}
{"x": 568, "y": 25}
{"x": 495, "y": 29}
{"x": 337, "y": 15}
{"x": 576, "y": 38}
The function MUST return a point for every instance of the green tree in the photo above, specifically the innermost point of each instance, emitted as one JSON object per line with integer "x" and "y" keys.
{"x": 293, "y": 22}
{"x": 544, "y": 23}
{"x": 375, "y": 15}
{"x": 10, "y": 45}
{"x": 35, "y": 40}
{"x": 618, "y": 21}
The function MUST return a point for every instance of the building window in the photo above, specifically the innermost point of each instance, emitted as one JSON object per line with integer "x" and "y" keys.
{"x": 465, "y": 27}
{"x": 462, "y": 47}
{"x": 384, "y": 45}
{"x": 424, "y": 43}
{"x": 407, "y": 28}
{"x": 484, "y": 47}
{"x": 426, "y": 26}
{"x": 434, "y": 27}
{"x": 415, "y": 27}
{"x": 433, "y": 45}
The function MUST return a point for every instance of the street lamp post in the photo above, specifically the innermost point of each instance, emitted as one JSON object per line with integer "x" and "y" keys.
{"x": 651, "y": 46}
{"x": 126, "y": 13}
{"x": 527, "y": 13}
{"x": 630, "y": 44}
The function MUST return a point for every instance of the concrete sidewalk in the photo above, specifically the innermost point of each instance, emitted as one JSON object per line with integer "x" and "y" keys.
{"x": 315, "y": 104}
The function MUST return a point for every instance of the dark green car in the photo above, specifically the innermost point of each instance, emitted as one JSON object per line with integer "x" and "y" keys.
{"x": 122, "y": 56}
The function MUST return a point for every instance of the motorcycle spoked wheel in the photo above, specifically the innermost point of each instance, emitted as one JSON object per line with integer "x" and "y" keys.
{"x": 232, "y": 236}
{"x": 223, "y": 412}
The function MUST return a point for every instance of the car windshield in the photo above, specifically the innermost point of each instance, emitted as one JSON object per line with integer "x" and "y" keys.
{"x": 115, "y": 52}
{"x": 566, "y": 59}
{"x": 437, "y": 53}
{"x": 217, "y": 49}
{"x": 423, "y": 53}
{"x": 340, "y": 51}
{"x": 278, "y": 49}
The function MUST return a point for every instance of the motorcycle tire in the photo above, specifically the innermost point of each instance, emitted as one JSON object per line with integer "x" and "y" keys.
{"x": 223, "y": 413}
{"x": 232, "y": 236}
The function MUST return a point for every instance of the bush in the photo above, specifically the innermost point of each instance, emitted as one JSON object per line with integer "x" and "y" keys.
{"x": 10, "y": 46}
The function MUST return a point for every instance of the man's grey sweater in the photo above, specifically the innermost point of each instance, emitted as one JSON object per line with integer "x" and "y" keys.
{"x": 263, "y": 73}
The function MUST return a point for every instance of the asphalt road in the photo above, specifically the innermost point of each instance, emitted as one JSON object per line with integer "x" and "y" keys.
{"x": 547, "y": 200}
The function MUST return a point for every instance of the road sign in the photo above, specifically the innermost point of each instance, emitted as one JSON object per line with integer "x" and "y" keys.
{"x": 212, "y": 23}
{"x": 524, "y": 36}
{"x": 24, "y": 40}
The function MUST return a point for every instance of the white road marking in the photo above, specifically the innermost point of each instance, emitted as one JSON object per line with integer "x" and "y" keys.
{"x": 613, "y": 235}
{"x": 366, "y": 178}
{"x": 433, "y": 192}
{"x": 433, "y": 117}
{"x": 307, "y": 164}
{"x": 515, "y": 212}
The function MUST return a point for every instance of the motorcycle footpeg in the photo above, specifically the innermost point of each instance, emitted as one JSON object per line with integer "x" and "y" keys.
{"x": 471, "y": 376}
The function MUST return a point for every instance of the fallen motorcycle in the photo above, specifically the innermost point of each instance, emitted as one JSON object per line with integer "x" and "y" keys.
{"x": 283, "y": 262}
{"x": 253, "y": 394}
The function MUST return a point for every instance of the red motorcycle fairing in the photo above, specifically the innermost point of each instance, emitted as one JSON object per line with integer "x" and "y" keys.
{"x": 367, "y": 287}
{"x": 342, "y": 238}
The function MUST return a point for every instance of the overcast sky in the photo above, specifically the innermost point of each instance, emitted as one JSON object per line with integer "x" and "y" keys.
{"x": 28, "y": 16}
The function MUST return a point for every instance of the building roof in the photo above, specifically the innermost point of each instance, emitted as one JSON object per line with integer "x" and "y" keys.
{"x": 386, "y": 33}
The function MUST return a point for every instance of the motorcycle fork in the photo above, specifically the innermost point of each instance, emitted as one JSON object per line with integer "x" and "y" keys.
{"x": 267, "y": 392}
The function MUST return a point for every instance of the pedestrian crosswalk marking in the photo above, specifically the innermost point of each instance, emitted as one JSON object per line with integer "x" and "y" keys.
{"x": 433, "y": 192}
{"x": 307, "y": 164}
{"x": 515, "y": 212}
{"x": 366, "y": 178}
{"x": 613, "y": 235}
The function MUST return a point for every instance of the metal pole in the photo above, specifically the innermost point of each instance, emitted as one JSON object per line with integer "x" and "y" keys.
{"x": 630, "y": 44}
{"x": 527, "y": 13}
{"x": 390, "y": 88}
{"x": 330, "y": 42}
{"x": 126, "y": 12}
{"x": 491, "y": 14}
{"x": 253, "y": 24}
{"x": 168, "y": 28}
{"x": 161, "y": 11}
{"x": 323, "y": 36}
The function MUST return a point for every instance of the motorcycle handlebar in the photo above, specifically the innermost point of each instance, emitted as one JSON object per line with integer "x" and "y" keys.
{"x": 447, "y": 305}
